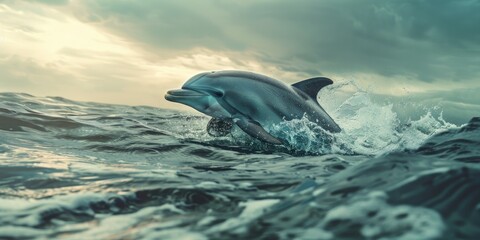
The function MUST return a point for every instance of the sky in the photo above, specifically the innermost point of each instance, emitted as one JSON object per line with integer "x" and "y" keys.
{"x": 132, "y": 52}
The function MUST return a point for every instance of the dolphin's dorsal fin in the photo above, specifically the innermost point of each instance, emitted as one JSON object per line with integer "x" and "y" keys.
{"x": 311, "y": 86}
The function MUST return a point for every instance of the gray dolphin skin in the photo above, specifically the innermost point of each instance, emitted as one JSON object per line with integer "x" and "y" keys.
{"x": 253, "y": 102}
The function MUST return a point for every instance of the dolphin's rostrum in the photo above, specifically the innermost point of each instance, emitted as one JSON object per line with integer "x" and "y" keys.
{"x": 252, "y": 101}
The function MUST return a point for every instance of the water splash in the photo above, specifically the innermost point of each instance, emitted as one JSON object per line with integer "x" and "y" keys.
{"x": 370, "y": 126}
{"x": 111, "y": 171}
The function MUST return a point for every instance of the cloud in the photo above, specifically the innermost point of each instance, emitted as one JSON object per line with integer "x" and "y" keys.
{"x": 45, "y": 51}
{"x": 22, "y": 72}
{"x": 106, "y": 50}
{"x": 412, "y": 38}
{"x": 51, "y": 2}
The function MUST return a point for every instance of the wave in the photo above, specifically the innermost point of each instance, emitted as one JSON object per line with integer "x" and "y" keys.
{"x": 369, "y": 127}
{"x": 87, "y": 170}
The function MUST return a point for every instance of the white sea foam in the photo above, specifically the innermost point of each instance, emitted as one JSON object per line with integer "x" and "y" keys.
{"x": 369, "y": 127}
{"x": 127, "y": 179}
{"x": 252, "y": 210}
{"x": 111, "y": 226}
{"x": 379, "y": 220}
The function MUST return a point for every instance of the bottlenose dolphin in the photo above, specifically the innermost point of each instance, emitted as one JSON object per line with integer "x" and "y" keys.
{"x": 252, "y": 101}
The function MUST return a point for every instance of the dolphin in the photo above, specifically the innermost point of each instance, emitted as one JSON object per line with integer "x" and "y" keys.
{"x": 253, "y": 102}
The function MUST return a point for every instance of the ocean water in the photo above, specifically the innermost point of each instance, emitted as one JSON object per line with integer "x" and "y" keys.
{"x": 81, "y": 170}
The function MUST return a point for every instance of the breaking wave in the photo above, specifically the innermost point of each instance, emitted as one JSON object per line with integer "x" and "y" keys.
{"x": 80, "y": 170}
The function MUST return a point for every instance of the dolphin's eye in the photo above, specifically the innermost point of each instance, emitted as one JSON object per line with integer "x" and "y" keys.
{"x": 217, "y": 93}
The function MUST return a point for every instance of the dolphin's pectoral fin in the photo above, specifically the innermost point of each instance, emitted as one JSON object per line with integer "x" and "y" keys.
{"x": 254, "y": 129}
{"x": 311, "y": 86}
{"x": 219, "y": 127}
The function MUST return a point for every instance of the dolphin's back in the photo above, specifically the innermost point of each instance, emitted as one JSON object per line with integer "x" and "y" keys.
{"x": 271, "y": 101}
{"x": 258, "y": 96}
{"x": 254, "y": 101}
{"x": 243, "y": 75}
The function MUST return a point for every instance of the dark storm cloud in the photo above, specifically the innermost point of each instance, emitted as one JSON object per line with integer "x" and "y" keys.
{"x": 424, "y": 40}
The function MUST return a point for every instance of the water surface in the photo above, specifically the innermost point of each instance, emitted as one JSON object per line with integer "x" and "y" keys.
{"x": 78, "y": 170}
